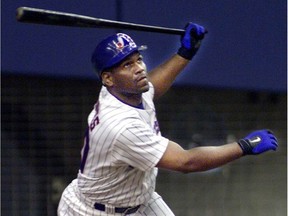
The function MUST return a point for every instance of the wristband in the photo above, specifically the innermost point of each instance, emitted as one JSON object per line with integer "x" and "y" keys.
{"x": 245, "y": 146}
{"x": 185, "y": 53}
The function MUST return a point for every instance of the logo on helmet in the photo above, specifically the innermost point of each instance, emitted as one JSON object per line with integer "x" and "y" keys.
{"x": 119, "y": 46}
{"x": 124, "y": 41}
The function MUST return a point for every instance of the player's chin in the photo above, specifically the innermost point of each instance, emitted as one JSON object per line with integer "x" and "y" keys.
{"x": 143, "y": 85}
{"x": 145, "y": 89}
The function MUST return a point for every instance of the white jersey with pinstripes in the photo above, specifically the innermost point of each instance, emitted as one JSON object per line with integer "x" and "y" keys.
{"x": 122, "y": 147}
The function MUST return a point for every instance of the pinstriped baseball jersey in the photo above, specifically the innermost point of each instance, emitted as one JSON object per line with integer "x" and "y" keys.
{"x": 122, "y": 146}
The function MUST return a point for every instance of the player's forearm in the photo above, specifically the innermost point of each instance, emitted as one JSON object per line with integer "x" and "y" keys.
{"x": 199, "y": 158}
{"x": 163, "y": 76}
{"x": 209, "y": 157}
{"x": 205, "y": 158}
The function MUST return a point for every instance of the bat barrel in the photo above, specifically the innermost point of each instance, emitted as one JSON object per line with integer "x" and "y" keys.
{"x": 48, "y": 17}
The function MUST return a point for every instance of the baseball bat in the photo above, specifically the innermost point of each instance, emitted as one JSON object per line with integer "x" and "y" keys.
{"x": 49, "y": 17}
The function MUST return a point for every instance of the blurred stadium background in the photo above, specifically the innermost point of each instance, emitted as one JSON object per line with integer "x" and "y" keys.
{"x": 237, "y": 83}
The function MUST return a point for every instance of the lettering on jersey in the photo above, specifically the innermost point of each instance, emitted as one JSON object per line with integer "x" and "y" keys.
{"x": 156, "y": 127}
{"x": 95, "y": 121}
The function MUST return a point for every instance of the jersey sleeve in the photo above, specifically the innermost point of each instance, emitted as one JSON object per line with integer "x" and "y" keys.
{"x": 139, "y": 147}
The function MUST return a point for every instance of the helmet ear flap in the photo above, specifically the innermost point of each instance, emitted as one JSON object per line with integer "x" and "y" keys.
{"x": 113, "y": 50}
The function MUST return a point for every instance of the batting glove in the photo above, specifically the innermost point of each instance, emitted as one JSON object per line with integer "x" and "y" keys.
{"x": 258, "y": 142}
{"x": 190, "y": 41}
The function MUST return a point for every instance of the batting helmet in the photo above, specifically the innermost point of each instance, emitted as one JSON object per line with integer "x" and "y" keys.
{"x": 112, "y": 51}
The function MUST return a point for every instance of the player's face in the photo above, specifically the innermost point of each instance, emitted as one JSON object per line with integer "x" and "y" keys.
{"x": 130, "y": 76}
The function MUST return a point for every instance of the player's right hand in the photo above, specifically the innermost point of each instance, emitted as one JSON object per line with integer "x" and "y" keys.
{"x": 258, "y": 142}
{"x": 190, "y": 41}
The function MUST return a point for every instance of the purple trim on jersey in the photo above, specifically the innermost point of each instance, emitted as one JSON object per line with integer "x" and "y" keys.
{"x": 86, "y": 149}
{"x": 140, "y": 106}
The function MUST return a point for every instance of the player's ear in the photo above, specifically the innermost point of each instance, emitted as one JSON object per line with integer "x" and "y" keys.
{"x": 107, "y": 79}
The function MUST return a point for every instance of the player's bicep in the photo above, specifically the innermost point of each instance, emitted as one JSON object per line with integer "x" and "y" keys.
{"x": 173, "y": 158}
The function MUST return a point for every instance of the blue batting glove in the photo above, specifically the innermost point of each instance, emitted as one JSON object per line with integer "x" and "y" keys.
{"x": 258, "y": 142}
{"x": 190, "y": 41}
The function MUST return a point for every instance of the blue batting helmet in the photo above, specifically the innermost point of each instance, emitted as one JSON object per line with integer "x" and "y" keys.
{"x": 112, "y": 50}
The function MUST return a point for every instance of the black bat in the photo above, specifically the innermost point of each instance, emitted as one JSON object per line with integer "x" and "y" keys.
{"x": 49, "y": 17}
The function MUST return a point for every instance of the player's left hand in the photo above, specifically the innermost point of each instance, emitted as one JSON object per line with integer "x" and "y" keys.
{"x": 258, "y": 142}
{"x": 190, "y": 41}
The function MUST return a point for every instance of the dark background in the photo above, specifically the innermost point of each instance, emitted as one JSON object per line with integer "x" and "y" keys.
{"x": 236, "y": 83}
{"x": 244, "y": 49}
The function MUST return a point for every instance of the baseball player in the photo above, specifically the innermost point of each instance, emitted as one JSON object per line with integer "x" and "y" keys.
{"x": 123, "y": 146}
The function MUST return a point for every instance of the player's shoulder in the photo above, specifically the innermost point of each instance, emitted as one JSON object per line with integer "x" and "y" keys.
{"x": 109, "y": 101}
